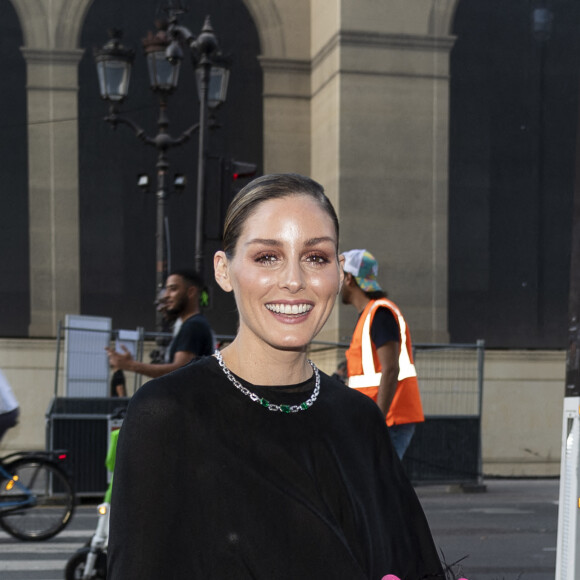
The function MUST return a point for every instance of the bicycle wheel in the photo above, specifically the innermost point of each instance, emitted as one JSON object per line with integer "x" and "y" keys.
{"x": 75, "y": 567}
{"x": 53, "y": 503}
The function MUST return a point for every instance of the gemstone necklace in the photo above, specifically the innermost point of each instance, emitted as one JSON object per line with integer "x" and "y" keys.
{"x": 264, "y": 402}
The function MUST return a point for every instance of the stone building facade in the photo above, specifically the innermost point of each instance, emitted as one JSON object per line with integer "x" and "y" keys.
{"x": 354, "y": 94}
{"x": 357, "y": 94}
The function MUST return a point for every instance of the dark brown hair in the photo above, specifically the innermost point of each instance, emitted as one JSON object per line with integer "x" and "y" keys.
{"x": 265, "y": 188}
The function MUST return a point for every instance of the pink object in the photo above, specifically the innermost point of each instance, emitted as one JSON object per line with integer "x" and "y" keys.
{"x": 393, "y": 577}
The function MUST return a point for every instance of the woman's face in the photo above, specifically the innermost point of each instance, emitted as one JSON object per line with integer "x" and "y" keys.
{"x": 285, "y": 273}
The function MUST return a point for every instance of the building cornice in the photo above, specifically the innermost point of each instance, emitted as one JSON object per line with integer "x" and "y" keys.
{"x": 298, "y": 70}
{"x": 47, "y": 56}
{"x": 285, "y": 65}
{"x": 350, "y": 38}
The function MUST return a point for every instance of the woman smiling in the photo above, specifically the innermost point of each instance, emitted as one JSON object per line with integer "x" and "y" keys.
{"x": 253, "y": 464}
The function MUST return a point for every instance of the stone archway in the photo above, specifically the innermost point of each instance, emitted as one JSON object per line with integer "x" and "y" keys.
{"x": 441, "y": 17}
{"x": 284, "y": 29}
{"x": 267, "y": 18}
{"x": 51, "y": 50}
{"x": 294, "y": 135}
{"x": 46, "y": 26}
{"x": 125, "y": 257}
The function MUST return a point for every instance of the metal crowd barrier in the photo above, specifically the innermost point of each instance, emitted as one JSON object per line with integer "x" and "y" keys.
{"x": 446, "y": 448}
{"x": 82, "y": 426}
{"x": 82, "y": 417}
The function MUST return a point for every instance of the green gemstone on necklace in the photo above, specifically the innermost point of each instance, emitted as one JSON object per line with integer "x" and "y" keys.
{"x": 264, "y": 402}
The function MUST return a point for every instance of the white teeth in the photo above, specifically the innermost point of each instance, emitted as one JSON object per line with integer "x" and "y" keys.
{"x": 289, "y": 309}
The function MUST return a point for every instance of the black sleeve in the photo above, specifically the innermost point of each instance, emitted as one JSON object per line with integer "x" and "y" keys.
{"x": 384, "y": 328}
{"x": 146, "y": 526}
{"x": 391, "y": 510}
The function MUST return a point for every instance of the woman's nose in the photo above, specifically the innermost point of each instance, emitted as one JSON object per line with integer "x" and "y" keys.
{"x": 292, "y": 277}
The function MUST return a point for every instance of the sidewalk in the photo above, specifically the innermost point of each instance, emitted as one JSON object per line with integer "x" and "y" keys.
{"x": 506, "y": 533}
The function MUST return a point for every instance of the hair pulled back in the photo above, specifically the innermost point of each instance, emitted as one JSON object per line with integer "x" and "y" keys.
{"x": 265, "y": 188}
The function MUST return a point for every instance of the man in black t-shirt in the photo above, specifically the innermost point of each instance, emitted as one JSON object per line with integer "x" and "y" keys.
{"x": 193, "y": 337}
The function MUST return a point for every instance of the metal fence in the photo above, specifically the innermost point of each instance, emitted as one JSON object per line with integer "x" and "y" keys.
{"x": 80, "y": 352}
{"x": 446, "y": 448}
{"x": 81, "y": 418}
{"x": 82, "y": 366}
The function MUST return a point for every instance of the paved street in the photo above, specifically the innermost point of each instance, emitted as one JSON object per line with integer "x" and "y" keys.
{"x": 507, "y": 533}
{"x": 45, "y": 560}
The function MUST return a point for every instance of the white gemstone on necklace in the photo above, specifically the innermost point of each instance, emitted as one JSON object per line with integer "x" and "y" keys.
{"x": 265, "y": 403}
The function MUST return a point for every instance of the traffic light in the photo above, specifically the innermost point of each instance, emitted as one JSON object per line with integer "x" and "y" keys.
{"x": 241, "y": 169}
{"x": 235, "y": 174}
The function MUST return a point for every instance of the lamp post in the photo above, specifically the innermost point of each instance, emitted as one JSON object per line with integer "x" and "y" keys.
{"x": 542, "y": 17}
{"x": 212, "y": 75}
{"x": 164, "y": 54}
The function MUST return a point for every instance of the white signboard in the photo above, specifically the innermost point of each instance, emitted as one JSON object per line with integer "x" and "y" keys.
{"x": 86, "y": 362}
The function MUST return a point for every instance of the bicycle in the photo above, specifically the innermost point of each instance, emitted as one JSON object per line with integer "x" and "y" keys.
{"x": 37, "y": 500}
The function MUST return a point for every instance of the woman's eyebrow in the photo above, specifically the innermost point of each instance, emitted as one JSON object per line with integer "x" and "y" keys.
{"x": 316, "y": 241}
{"x": 264, "y": 241}
{"x": 277, "y": 243}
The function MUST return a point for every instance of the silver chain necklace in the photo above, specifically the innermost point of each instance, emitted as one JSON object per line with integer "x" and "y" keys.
{"x": 264, "y": 402}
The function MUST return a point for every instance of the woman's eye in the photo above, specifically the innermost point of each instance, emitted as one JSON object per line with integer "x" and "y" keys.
{"x": 266, "y": 258}
{"x": 317, "y": 259}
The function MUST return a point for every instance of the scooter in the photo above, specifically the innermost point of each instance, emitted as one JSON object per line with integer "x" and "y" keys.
{"x": 90, "y": 561}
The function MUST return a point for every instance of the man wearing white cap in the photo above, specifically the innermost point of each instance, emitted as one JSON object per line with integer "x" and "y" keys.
{"x": 380, "y": 357}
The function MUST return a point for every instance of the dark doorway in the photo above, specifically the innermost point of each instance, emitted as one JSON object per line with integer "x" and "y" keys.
{"x": 117, "y": 219}
{"x": 14, "y": 244}
{"x": 514, "y": 102}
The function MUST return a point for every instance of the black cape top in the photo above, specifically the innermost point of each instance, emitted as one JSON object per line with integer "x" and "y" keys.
{"x": 210, "y": 485}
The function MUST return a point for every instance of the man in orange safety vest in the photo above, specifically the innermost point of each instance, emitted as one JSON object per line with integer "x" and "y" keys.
{"x": 380, "y": 358}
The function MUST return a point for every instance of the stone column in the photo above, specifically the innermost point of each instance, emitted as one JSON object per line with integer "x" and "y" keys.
{"x": 379, "y": 143}
{"x": 53, "y": 187}
{"x": 286, "y": 115}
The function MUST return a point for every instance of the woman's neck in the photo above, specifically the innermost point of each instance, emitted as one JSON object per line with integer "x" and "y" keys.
{"x": 267, "y": 365}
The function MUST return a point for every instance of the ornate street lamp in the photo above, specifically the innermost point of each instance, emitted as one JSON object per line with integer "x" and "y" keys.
{"x": 164, "y": 52}
{"x": 114, "y": 62}
{"x": 212, "y": 75}
{"x": 217, "y": 88}
{"x": 163, "y": 72}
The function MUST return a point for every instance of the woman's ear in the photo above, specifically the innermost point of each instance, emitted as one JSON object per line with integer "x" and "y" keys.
{"x": 342, "y": 273}
{"x": 221, "y": 271}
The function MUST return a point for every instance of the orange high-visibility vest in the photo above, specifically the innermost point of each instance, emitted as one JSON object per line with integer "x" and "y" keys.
{"x": 364, "y": 368}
